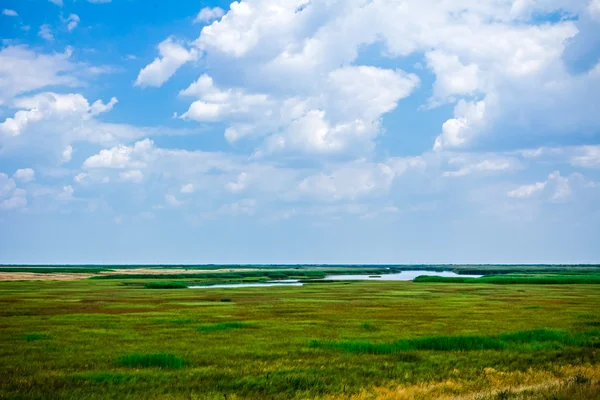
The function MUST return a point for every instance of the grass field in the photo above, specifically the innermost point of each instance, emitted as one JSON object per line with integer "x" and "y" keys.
{"x": 118, "y": 339}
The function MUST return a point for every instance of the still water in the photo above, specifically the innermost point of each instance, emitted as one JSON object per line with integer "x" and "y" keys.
{"x": 401, "y": 276}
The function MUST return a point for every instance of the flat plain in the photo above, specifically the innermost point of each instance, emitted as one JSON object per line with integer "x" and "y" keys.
{"x": 118, "y": 339}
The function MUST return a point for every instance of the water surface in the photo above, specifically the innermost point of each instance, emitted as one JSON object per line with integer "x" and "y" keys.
{"x": 289, "y": 282}
{"x": 401, "y": 276}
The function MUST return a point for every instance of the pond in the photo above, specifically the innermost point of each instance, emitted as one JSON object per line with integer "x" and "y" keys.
{"x": 401, "y": 276}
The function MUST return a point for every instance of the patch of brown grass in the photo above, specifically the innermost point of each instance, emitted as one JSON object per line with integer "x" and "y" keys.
{"x": 533, "y": 384}
{"x": 31, "y": 276}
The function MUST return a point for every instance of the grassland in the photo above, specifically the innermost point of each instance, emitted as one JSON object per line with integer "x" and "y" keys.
{"x": 518, "y": 279}
{"x": 117, "y": 339}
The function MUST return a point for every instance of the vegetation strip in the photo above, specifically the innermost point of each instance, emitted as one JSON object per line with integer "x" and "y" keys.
{"x": 156, "y": 360}
{"x": 464, "y": 342}
{"x": 513, "y": 280}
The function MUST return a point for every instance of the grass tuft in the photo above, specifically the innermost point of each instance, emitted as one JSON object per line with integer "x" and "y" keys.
{"x": 367, "y": 326}
{"x": 223, "y": 326}
{"x": 154, "y": 360}
{"x": 165, "y": 285}
{"x": 32, "y": 337}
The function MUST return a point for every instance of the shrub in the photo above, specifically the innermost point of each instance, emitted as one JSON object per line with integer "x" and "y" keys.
{"x": 165, "y": 285}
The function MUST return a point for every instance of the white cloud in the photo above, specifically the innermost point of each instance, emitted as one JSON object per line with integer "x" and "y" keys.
{"x": 348, "y": 181}
{"x": 6, "y": 185}
{"x": 13, "y": 203}
{"x": 173, "y": 201}
{"x": 526, "y": 191}
{"x": 133, "y": 175}
{"x": 46, "y": 105}
{"x": 45, "y": 32}
{"x": 9, "y": 13}
{"x": 558, "y": 187}
{"x": 453, "y": 77}
{"x": 121, "y": 156}
{"x": 80, "y": 177}
{"x": 208, "y": 14}
{"x": 469, "y": 118}
{"x": 67, "y": 153}
{"x": 66, "y": 194}
{"x": 239, "y": 184}
{"x": 99, "y": 1}
{"x": 172, "y": 57}
{"x": 214, "y": 104}
{"x": 57, "y": 2}
{"x": 589, "y": 157}
{"x": 594, "y": 9}
{"x": 24, "y": 175}
{"x": 23, "y": 70}
{"x": 349, "y": 113}
{"x": 188, "y": 188}
{"x": 491, "y": 165}
{"x": 505, "y": 70}
{"x": 72, "y": 21}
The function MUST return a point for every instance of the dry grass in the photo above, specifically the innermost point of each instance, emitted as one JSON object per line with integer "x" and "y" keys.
{"x": 531, "y": 384}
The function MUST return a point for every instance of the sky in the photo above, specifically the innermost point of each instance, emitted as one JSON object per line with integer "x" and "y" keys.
{"x": 300, "y": 131}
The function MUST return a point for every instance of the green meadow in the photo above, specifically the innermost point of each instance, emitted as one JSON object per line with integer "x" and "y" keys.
{"x": 141, "y": 338}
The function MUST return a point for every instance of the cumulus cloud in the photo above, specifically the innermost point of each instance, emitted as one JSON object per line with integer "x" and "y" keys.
{"x": 133, "y": 175}
{"x": 9, "y": 13}
{"x": 215, "y": 104}
{"x": 476, "y": 52}
{"x": 344, "y": 114}
{"x": 46, "y": 105}
{"x": 6, "y": 185}
{"x": 172, "y": 56}
{"x": 122, "y": 156}
{"x": 558, "y": 187}
{"x": 71, "y": 21}
{"x": 67, "y": 153}
{"x": 526, "y": 191}
{"x": 13, "y": 203}
{"x": 239, "y": 184}
{"x": 24, "y": 175}
{"x": 45, "y": 32}
{"x": 173, "y": 201}
{"x": 208, "y": 14}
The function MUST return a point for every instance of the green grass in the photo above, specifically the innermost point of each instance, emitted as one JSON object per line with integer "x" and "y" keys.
{"x": 464, "y": 343}
{"x": 223, "y": 326}
{"x": 107, "y": 340}
{"x": 367, "y": 326}
{"x": 33, "y": 337}
{"x": 516, "y": 280}
{"x": 153, "y": 360}
{"x": 165, "y": 285}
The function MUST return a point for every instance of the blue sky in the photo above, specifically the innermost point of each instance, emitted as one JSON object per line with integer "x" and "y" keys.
{"x": 297, "y": 131}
